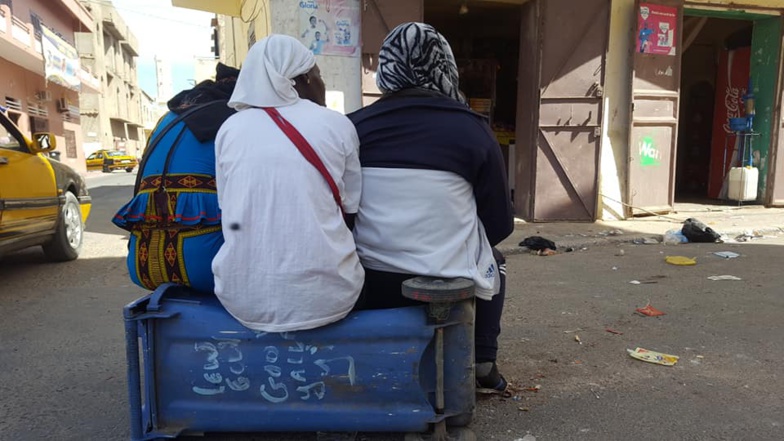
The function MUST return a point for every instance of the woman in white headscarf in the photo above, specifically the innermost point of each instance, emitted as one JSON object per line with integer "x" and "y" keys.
{"x": 289, "y": 261}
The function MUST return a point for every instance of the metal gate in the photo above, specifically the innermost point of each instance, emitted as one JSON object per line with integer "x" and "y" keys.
{"x": 560, "y": 106}
{"x": 656, "y": 83}
{"x": 378, "y": 18}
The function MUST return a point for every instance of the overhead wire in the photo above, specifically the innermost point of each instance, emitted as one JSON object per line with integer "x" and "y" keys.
{"x": 139, "y": 12}
{"x": 257, "y": 8}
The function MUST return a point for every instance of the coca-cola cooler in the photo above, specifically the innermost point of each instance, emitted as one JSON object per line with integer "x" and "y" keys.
{"x": 732, "y": 82}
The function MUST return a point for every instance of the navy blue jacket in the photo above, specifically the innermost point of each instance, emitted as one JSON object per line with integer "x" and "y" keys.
{"x": 423, "y": 130}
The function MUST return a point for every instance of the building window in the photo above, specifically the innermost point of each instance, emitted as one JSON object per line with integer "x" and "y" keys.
{"x": 14, "y": 117}
{"x": 35, "y": 20}
{"x": 70, "y": 143}
{"x": 37, "y": 110}
{"x": 38, "y": 125}
{"x": 13, "y": 103}
{"x": 7, "y": 3}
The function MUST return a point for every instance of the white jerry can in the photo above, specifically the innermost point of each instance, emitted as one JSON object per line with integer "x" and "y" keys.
{"x": 743, "y": 184}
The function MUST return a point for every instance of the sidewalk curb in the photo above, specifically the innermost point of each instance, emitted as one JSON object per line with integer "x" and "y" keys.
{"x": 584, "y": 242}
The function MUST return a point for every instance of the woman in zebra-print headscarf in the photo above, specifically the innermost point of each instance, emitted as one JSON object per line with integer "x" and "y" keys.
{"x": 434, "y": 195}
{"x": 415, "y": 55}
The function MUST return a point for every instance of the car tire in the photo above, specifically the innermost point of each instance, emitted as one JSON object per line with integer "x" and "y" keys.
{"x": 69, "y": 236}
{"x": 129, "y": 169}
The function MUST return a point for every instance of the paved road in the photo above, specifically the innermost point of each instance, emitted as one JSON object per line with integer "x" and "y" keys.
{"x": 63, "y": 361}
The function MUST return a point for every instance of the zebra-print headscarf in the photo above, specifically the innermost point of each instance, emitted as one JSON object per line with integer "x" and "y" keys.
{"x": 415, "y": 55}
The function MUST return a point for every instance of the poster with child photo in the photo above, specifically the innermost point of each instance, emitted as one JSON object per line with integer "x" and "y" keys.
{"x": 330, "y": 27}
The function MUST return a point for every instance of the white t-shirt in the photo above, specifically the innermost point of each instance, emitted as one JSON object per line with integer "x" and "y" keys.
{"x": 288, "y": 262}
{"x": 424, "y": 222}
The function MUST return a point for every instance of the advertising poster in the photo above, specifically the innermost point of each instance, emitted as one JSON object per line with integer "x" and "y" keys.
{"x": 61, "y": 61}
{"x": 330, "y": 27}
{"x": 656, "y": 29}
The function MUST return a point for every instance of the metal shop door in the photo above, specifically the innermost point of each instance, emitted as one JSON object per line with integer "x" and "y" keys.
{"x": 559, "y": 127}
{"x": 378, "y": 18}
{"x": 656, "y": 82}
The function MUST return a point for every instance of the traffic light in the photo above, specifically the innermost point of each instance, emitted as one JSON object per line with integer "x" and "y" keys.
{"x": 215, "y": 40}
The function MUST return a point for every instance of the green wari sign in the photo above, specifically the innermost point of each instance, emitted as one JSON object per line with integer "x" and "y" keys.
{"x": 650, "y": 156}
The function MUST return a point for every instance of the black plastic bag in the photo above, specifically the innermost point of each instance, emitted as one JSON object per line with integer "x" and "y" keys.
{"x": 696, "y": 231}
{"x": 537, "y": 243}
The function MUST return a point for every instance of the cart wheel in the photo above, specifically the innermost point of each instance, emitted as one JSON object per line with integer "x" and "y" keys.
{"x": 462, "y": 434}
{"x": 437, "y": 290}
{"x": 461, "y": 420}
{"x": 456, "y": 434}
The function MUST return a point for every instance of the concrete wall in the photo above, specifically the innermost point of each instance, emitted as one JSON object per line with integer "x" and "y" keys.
{"x": 615, "y": 139}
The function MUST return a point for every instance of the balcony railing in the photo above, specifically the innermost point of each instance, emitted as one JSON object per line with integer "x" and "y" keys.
{"x": 20, "y": 32}
{"x": 18, "y": 42}
{"x": 113, "y": 24}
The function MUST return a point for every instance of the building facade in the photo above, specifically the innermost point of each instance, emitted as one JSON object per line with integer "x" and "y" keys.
{"x": 40, "y": 75}
{"x": 604, "y": 109}
{"x": 112, "y": 117}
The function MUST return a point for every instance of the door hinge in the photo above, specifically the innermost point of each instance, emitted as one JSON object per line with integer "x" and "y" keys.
{"x": 597, "y": 131}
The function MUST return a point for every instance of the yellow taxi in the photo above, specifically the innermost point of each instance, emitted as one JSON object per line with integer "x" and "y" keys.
{"x": 42, "y": 202}
{"x": 111, "y": 160}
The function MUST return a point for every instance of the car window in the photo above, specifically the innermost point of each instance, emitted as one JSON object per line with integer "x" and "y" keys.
{"x": 115, "y": 154}
{"x": 93, "y": 156}
{"x": 8, "y": 141}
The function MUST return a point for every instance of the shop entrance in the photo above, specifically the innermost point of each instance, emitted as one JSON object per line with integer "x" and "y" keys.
{"x": 485, "y": 39}
{"x": 728, "y": 57}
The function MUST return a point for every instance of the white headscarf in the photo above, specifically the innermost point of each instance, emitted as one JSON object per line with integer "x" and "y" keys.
{"x": 266, "y": 76}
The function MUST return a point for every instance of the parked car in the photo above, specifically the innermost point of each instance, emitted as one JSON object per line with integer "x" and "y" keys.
{"x": 111, "y": 160}
{"x": 42, "y": 201}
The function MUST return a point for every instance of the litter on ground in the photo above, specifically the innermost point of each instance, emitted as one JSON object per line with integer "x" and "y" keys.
{"x": 727, "y": 254}
{"x": 643, "y": 282}
{"x": 674, "y": 237}
{"x": 681, "y": 260}
{"x": 650, "y": 311}
{"x": 646, "y": 241}
{"x": 653, "y": 357}
{"x": 724, "y": 277}
{"x": 538, "y": 243}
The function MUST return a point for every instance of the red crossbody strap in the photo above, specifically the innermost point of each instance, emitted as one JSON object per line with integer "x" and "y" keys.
{"x": 307, "y": 151}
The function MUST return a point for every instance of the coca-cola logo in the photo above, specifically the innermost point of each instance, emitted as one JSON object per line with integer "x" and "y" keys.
{"x": 732, "y": 102}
